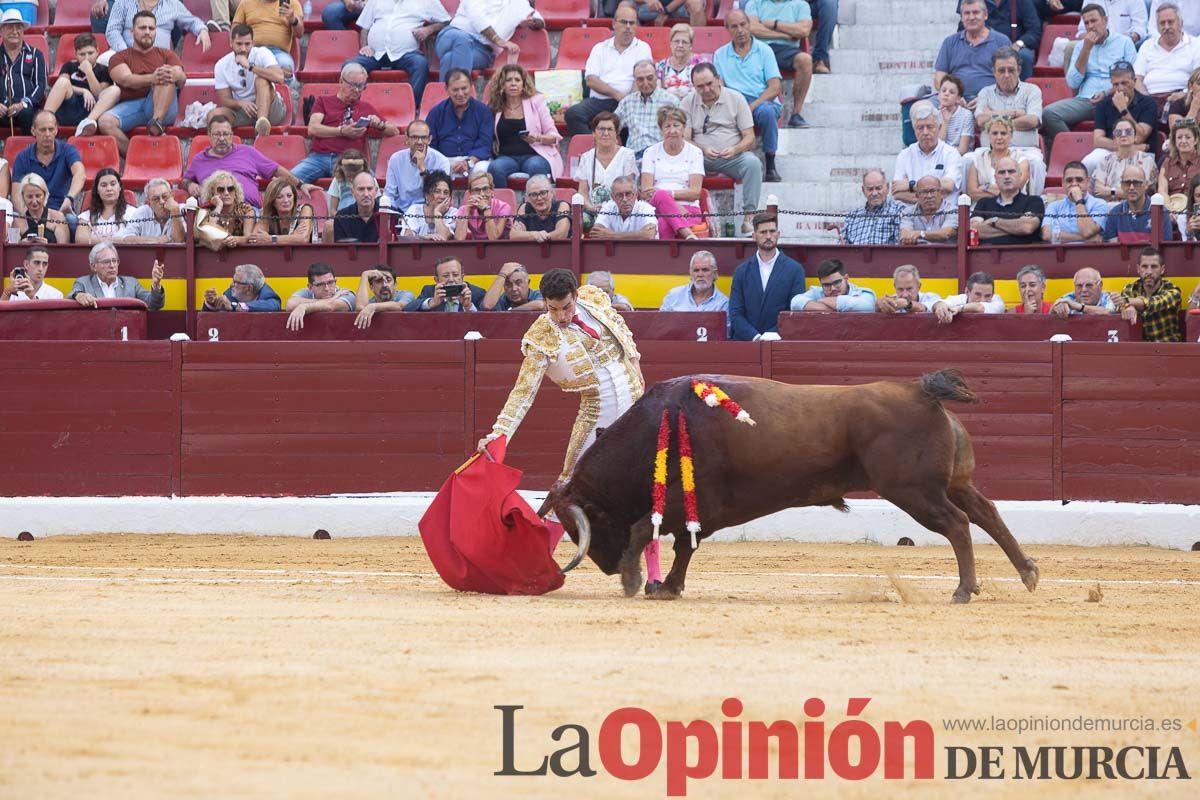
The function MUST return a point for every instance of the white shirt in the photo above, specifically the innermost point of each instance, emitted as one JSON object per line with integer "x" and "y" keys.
{"x": 672, "y": 172}
{"x": 1126, "y": 17}
{"x": 616, "y": 68}
{"x": 624, "y": 163}
{"x": 108, "y": 227}
{"x": 502, "y": 16}
{"x": 389, "y": 24}
{"x": 144, "y": 223}
{"x": 413, "y": 222}
{"x": 227, "y": 74}
{"x": 993, "y": 306}
{"x": 44, "y": 292}
{"x": 765, "y": 267}
{"x": 108, "y": 290}
{"x": 1166, "y": 71}
{"x": 944, "y": 161}
{"x": 641, "y": 216}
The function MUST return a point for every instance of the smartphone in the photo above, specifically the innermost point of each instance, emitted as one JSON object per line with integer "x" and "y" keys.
{"x": 362, "y": 122}
{"x": 454, "y": 289}
{"x": 19, "y": 272}
{"x": 523, "y": 132}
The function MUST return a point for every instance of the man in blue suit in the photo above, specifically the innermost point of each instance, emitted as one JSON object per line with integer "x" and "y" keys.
{"x": 764, "y": 284}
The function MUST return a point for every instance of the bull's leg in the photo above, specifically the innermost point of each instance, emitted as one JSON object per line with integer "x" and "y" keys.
{"x": 640, "y": 535}
{"x": 983, "y": 513}
{"x": 672, "y": 587}
{"x": 934, "y": 511}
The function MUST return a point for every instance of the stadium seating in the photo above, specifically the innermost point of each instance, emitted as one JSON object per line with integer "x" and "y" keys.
{"x": 1069, "y": 146}
{"x": 579, "y": 144}
{"x": 38, "y": 42}
{"x": 1053, "y": 89}
{"x": 190, "y": 93}
{"x": 706, "y": 41}
{"x": 508, "y": 196}
{"x": 282, "y": 127}
{"x": 14, "y": 145}
{"x": 327, "y": 52}
{"x": 287, "y": 151}
{"x": 388, "y": 146}
{"x": 564, "y": 193}
{"x": 435, "y": 92}
{"x": 393, "y": 102}
{"x": 313, "y": 18}
{"x": 86, "y": 203}
{"x": 200, "y": 142}
{"x": 535, "y": 50}
{"x": 199, "y": 64}
{"x": 560, "y": 14}
{"x": 152, "y": 157}
{"x": 576, "y": 44}
{"x": 1042, "y": 68}
{"x": 659, "y": 40}
{"x": 70, "y": 17}
{"x": 97, "y": 153}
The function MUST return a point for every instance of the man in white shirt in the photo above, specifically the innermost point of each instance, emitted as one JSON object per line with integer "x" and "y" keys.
{"x": 609, "y": 70}
{"x": 929, "y": 156}
{"x": 1164, "y": 63}
{"x": 1189, "y": 10}
{"x": 28, "y": 281}
{"x": 481, "y": 30}
{"x": 245, "y": 80}
{"x": 159, "y": 221}
{"x": 908, "y": 297}
{"x": 391, "y": 33}
{"x": 980, "y": 298}
{"x": 624, "y": 216}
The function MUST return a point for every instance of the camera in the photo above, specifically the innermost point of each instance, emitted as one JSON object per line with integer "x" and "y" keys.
{"x": 19, "y": 272}
{"x": 454, "y": 289}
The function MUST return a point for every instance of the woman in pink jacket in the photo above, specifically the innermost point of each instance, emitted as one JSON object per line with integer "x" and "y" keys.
{"x": 526, "y": 139}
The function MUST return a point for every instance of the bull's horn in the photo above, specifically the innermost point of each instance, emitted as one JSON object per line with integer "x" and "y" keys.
{"x": 584, "y": 529}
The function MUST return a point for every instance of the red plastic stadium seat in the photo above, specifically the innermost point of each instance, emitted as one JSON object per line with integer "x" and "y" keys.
{"x": 576, "y": 44}
{"x": 1053, "y": 89}
{"x": 66, "y": 49}
{"x": 564, "y": 193}
{"x": 130, "y": 197}
{"x": 435, "y": 93}
{"x": 659, "y": 40}
{"x": 320, "y": 204}
{"x": 287, "y": 151}
{"x": 717, "y": 183}
{"x": 199, "y": 8}
{"x": 393, "y": 102}
{"x": 197, "y": 63}
{"x": 313, "y": 19}
{"x": 560, "y": 14}
{"x": 723, "y": 8}
{"x": 97, "y": 153}
{"x": 508, "y": 196}
{"x": 707, "y": 40}
{"x": 535, "y": 50}
{"x": 190, "y": 93}
{"x": 387, "y": 147}
{"x": 580, "y": 143}
{"x": 1042, "y": 66}
{"x": 299, "y": 124}
{"x": 152, "y": 157}
{"x": 1069, "y": 146}
{"x": 14, "y": 145}
{"x": 71, "y": 16}
{"x": 327, "y": 52}
{"x": 38, "y": 41}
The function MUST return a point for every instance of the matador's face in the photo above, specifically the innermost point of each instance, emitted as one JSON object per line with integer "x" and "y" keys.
{"x": 562, "y": 310}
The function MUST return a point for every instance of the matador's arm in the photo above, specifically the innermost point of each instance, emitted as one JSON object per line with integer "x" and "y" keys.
{"x": 533, "y": 368}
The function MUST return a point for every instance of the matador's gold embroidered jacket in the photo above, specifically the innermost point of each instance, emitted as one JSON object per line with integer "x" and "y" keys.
{"x": 571, "y": 358}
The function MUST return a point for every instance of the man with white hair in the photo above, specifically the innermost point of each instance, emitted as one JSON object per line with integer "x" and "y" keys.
{"x": 510, "y": 291}
{"x": 638, "y": 110}
{"x": 908, "y": 296}
{"x": 248, "y": 291}
{"x": 105, "y": 282}
{"x": 701, "y": 292}
{"x": 603, "y": 280}
{"x": 1189, "y": 11}
{"x": 878, "y": 221}
{"x": 160, "y": 220}
{"x": 340, "y": 122}
{"x": 1165, "y": 62}
{"x": 929, "y": 155}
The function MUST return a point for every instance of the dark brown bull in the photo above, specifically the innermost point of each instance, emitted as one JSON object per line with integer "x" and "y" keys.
{"x": 811, "y": 447}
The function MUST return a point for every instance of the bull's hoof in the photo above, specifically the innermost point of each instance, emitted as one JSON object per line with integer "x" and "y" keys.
{"x": 631, "y": 581}
{"x": 1030, "y": 575}
{"x": 652, "y": 586}
{"x": 665, "y": 592}
{"x": 963, "y": 594}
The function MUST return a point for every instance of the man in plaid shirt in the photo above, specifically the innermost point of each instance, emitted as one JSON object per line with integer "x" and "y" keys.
{"x": 638, "y": 110}
{"x": 878, "y": 222}
{"x": 1153, "y": 297}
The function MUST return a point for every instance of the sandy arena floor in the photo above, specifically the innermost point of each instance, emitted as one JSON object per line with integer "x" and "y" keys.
{"x": 242, "y": 667}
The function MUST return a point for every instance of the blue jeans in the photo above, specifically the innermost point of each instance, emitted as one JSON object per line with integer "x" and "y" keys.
{"x": 284, "y": 59}
{"x": 501, "y": 167}
{"x": 766, "y": 119}
{"x": 826, "y": 12}
{"x": 335, "y": 17}
{"x": 315, "y": 165}
{"x": 415, "y": 64}
{"x": 458, "y": 49}
{"x": 1027, "y": 58}
{"x": 135, "y": 113}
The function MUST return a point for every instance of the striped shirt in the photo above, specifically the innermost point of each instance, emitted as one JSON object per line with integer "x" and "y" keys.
{"x": 24, "y": 76}
{"x": 874, "y": 226}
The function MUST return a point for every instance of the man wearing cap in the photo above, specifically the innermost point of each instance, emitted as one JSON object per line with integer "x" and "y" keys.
{"x": 1087, "y": 73}
{"x": 24, "y": 86}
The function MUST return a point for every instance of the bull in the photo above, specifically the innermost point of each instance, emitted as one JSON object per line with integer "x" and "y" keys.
{"x": 812, "y": 446}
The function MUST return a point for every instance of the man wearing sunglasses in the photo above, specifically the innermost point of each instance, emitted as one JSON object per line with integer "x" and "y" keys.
{"x": 338, "y": 123}
{"x": 241, "y": 160}
{"x": 1011, "y": 217}
{"x": 245, "y": 79}
{"x": 1128, "y": 221}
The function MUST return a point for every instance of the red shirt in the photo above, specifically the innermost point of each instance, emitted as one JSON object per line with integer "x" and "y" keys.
{"x": 142, "y": 64}
{"x": 336, "y": 115}
{"x": 1020, "y": 309}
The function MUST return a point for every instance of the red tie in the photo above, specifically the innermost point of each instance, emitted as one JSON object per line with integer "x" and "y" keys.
{"x": 583, "y": 326}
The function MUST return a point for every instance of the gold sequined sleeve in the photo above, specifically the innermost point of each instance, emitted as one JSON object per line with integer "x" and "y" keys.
{"x": 533, "y": 369}
{"x": 585, "y": 422}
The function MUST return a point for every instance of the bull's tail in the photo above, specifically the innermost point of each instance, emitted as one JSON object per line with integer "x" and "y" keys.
{"x": 947, "y": 384}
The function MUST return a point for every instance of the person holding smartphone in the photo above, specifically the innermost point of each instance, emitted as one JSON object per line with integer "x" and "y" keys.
{"x": 28, "y": 281}
{"x": 450, "y": 290}
{"x": 275, "y": 24}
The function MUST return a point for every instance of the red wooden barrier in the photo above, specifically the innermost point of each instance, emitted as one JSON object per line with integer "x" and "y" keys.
{"x": 88, "y": 418}
{"x": 804, "y": 326}
{"x": 1193, "y": 326}
{"x": 1130, "y": 427}
{"x": 1013, "y": 428}
{"x": 324, "y": 417}
{"x": 116, "y": 319}
{"x": 676, "y": 326}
